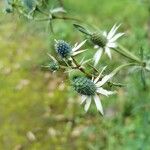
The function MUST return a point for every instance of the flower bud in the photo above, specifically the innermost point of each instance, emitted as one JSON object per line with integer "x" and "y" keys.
{"x": 63, "y": 48}
{"x": 53, "y": 66}
{"x": 8, "y": 10}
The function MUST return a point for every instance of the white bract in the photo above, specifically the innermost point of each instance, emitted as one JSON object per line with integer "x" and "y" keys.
{"x": 75, "y": 49}
{"x": 111, "y": 38}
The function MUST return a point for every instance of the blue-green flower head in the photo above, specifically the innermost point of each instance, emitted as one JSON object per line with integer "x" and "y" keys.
{"x": 63, "y": 48}
{"x": 84, "y": 86}
{"x": 9, "y": 10}
{"x": 98, "y": 39}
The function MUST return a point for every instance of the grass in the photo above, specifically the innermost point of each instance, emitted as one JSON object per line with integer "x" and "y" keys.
{"x": 35, "y": 101}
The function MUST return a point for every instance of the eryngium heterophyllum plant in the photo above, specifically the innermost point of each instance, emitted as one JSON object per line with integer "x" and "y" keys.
{"x": 91, "y": 84}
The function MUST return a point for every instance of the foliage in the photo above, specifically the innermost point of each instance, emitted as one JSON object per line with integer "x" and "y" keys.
{"x": 126, "y": 115}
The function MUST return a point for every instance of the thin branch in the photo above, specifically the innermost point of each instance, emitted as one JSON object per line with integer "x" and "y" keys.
{"x": 93, "y": 68}
{"x": 80, "y": 68}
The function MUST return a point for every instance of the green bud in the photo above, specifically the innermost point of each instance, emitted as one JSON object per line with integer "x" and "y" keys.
{"x": 84, "y": 86}
{"x": 54, "y": 66}
{"x": 98, "y": 39}
{"x": 8, "y": 10}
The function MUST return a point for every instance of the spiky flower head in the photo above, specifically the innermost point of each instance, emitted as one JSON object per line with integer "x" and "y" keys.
{"x": 63, "y": 48}
{"x": 53, "y": 66}
{"x": 98, "y": 39}
{"x": 105, "y": 42}
{"x": 9, "y": 10}
{"x": 84, "y": 86}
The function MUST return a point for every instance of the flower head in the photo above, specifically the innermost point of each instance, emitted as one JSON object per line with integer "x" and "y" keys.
{"x": 53, "y": 65}
{"x": 84, "y": 86}
{"x": 104, "y": 42}
{"x": 66, "y": 51}
{"x": 63, "y": 48}
{"x": 90, "y": 89}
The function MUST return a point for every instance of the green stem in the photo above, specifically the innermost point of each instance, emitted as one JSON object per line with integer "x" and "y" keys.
{"x": 64, "y": 18}
{"x": 82, "y": 29}
{"x": 122, "y": 66}
{"x": 123, "y": 51}
{"x": 54, "y": 16}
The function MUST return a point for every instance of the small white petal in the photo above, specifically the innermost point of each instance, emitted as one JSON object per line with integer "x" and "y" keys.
{"x": 103, "y": 69}
{"x": 105, "y": 33}
{"x": 78, "y": 52}
{"x": 84, "y": 62}
{"x": 104, "y": 80}
{"x": 87, "y": 104}
{"x": 104, "y": 92}
{"x": 97, "y": 56}
{"x": 108, "y": 52}
{"x": 78, "y": 46}
{"x": 56, "y": 41}
{"x": 69, "y": 71}
{"x": 109, "y": 36}
{"x": 98, "y": 104}
{"x": 96, "y": 46}
{"x": 98, "y": 77}
{"x": 111, "y": 44}
{"x": 83, "y": 98}
{"x": 116, "y": 37}
{"x": 58, "y": 10}
{"x": 112, "y": 31}
{"x": 53, "y": 58}
{"x": 92, "y": 79}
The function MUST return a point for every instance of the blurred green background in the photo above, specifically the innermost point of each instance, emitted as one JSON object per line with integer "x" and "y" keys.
{"x": 39, "y": 112}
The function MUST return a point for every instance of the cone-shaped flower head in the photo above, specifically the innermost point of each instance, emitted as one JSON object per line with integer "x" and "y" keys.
{"x": 84, "y": 86}
{"x": 98, "y": 39}
{"x": 63, "y": 48}
{"x": 66, "y": 51}
{"x": 54, "y": 66}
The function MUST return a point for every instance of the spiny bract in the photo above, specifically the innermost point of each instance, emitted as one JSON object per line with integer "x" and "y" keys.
{"x": 63, "y": 48}
{"x": 84, "y": 86}
{"x": 98, "y": 39}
